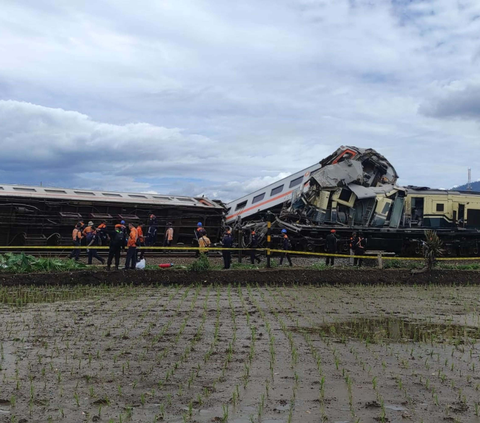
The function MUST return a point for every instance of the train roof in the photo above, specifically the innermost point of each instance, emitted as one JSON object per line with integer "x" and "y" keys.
{"x": 415, "y": 190}
{"x": 27, "y": 191}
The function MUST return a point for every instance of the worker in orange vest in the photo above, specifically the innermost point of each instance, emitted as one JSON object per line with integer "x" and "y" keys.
{"x": 77, "y": 241}
{"x": 130, "y": 261}
{"x": 89, "y": 228}
{"x": 167, "y": 242}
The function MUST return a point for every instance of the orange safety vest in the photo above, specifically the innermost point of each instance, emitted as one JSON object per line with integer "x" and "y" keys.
{"x": 169, "y": 234}
{"x": 87, "y": 230}
{"x": 132, "y": 241}
{"x": 76, "y": 234}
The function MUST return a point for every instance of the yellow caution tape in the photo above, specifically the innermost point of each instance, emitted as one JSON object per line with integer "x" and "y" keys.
{"x": 371, "y": 257}
{"x": 206, "y": 249}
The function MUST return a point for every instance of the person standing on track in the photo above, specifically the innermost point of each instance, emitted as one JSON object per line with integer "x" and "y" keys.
{"x": 117, "y": 241}
{"x": 360, "y": 246}
{"x": 254, "y": 244}
{"x": 167, "y": 241}
{"x": 286, "y": 245}
{"x": 352, "y": 247}
{"x": 130, "y": 261}
{"x": 227, "y": 242}
{"x": 93, "y": 239}
{"x": 77, "y": 241}
{"x": 331, "y": 247}
{"x": 152, "y": 231}
{"x": 199, "y": 234}
{"x": 102, "y": 233}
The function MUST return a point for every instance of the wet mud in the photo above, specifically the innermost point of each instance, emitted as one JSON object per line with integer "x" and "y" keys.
{"x": 242, "y": 353}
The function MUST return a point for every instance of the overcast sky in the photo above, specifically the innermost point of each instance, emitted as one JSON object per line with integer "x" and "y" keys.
{"x": 220, "y": 98}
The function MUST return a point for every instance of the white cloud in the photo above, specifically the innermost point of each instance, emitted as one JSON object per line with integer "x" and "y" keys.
{"x": 203, "y": 97}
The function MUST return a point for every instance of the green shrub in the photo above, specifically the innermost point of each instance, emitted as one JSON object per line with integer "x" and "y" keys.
{"x": 22, "y": 263}
{"x": 200, "y": 265}
{"x": 432, "y": 248}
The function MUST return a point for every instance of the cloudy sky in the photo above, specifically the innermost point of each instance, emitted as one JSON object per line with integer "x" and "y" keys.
{"x": 221, "y": 98}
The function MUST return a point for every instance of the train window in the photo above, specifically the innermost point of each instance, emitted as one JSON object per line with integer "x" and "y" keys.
{"x": 345, "y": 195}
{"x": 137, "y": 196}
{"x": 109, "y": 194}
{"x": 241, "y": 205}
{"x": 188, "y": 200}
{"x": 1, "y": 189}
{"x": 440, "y": 207}
{"x": 24, "y": 189}
{"x": 84, "y": 192}
{"x": 276, "y": 191}
{"x": 258, "y": 198}
{"x": 162, "y": 198}
{"x": 56, "y": 191}
{"x": 296, "y": 181}
{"x": 386, "y": 207}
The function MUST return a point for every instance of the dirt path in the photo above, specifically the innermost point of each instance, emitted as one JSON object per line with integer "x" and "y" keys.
{"x": 243, "y": 353}
{"x": 288, "y": 276}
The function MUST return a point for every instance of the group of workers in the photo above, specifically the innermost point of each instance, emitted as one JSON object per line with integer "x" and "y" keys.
{"x": 357, "y": 244}
{"x": 122, "y": 237}
{"x": 130, "y": 237}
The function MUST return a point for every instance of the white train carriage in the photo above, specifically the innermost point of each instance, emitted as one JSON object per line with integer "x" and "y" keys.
{"x": 270, "y": 196}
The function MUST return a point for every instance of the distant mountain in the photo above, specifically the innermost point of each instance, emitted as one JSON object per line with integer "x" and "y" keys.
{"x": 475, "y": 187}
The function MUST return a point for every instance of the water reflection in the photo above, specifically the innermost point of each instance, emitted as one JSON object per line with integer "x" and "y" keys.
{"x": 395, "y": 329}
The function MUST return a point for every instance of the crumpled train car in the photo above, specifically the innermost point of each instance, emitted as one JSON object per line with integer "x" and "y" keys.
{"x": 354, "y": 189}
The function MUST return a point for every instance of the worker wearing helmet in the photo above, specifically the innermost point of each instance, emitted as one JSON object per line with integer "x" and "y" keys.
{"x": 124, "y": 231}
{"x": 200, "y": 234}
{"x": 130, "y": 262}
{"x": 254, "y": 244}
{"x": 286, "y": 245}
{"x": 331, "y": 247}
{"x": 152, "y": 230}
{"x": 77, "y": 241}
{"x": 200, "y": 230}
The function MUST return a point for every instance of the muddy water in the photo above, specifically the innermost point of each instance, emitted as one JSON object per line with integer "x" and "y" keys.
{"x": 244, "y": 354}
{"x": 394, "y": 329}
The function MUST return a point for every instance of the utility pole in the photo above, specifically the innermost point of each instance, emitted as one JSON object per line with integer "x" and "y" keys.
{"x": 469, "y": 185}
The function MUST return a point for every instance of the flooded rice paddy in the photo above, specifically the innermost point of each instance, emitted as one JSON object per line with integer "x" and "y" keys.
{"x": 240, "y": 354}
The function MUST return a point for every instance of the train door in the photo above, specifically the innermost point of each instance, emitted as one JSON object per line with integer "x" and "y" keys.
{"x": 461, "y": 215}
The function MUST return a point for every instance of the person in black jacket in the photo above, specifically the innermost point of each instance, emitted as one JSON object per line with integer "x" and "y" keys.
{"x": 93, "y": 240}
{"x": 254, "y": 244}
{"x": 360, "y": 244}
{"x": 117, "y": 242}
{"x": 331, "y": 247}
{"x": 227, "y": 242}
{"x": 286, "y": 245}
{"x": 151, "y": 237}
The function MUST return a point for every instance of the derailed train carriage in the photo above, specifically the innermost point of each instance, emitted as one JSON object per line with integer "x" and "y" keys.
{"x": 354, "y": 189}
{"x": 39, "y": 216}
